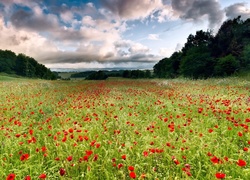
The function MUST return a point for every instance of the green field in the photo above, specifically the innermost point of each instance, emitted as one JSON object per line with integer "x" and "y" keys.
{"x": 125, "y": 129}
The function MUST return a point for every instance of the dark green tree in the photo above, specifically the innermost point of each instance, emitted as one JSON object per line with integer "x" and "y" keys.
{"x": 227, "y": 65}
{"x": 7, "y": 61}
{"x": 99, "y": 75}
{"x": 197, "y": 63}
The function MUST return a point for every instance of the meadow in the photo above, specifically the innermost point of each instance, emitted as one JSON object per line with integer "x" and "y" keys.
{"x": 125, "y": 129}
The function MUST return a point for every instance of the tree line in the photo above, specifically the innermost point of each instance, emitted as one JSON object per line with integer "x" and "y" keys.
{"x": 206, "y": 55}
{"x": 102, "y": 75}
{"x": 23, "y": 65}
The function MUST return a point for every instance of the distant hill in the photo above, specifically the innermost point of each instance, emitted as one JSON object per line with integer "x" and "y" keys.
{"x": 23, "y": 65}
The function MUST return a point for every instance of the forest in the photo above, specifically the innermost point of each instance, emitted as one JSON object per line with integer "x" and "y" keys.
{"x": 205, "y": 55}
{"x": 23, "y": 65}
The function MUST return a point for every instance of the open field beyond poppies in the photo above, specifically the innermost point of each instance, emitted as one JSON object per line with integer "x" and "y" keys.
{"x": 124, "y": 129}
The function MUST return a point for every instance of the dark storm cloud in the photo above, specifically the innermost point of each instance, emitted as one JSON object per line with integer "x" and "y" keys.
{"x": 195, "y": 9}
{"x": 29, "y": 20}
{"x": 238, "y": 9}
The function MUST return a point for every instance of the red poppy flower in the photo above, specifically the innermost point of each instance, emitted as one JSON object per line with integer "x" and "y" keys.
{"x": 176, "y": 161}
{"x": 27, "y": 178}
{"x": 119, "y": 166}
{"x": 145, "y": 153}
{"x": 71, "y": 130}
{"x": 220, "y": 175}
{"x": 31, "y": 132}
{"x": 210, "y": 130}
{"x": 124, "y": 157}
{"x": 132, "y": 175}
{"x": 241, "y": 163}
{"x": 86, "y": 158}
{"x": 62, "y": 171}
{"x": 131, "y": 168}
{"x": 24, "y": 157}
{"x": 69, "y": 158}
{"x": 11, "y": 176}
{"x": 64, "y": 139}
{"x": 88, "y": 152}
{"x": 42, "y": 176}
{"x": 44, "y": 149}
{"x": 95, "y": 157}
{"x": 97, "y": 145}
{"x": 215, "y": 160}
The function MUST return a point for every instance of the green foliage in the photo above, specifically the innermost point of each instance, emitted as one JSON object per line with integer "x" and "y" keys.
{"x": 99, "y": 75}
{"x": 246, "y": 58}
{"x": 23, "y": 65}
{"x": 168, "y": 67}
{"x": 197, "y": 63}
{"x": 205, "y": 55}
{"x": 135, "y": 74}
{"x": 7, "y": 61}
{"x": 227, "y": 65}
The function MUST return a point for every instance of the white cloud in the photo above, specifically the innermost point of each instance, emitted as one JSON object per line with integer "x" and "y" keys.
{"x": 166, "y": 52}
{"x": 153, "y": 37}
{"x": 28, "y": 42}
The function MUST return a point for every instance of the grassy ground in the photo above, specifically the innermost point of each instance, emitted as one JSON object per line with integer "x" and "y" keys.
{"x": 125, "y": 129}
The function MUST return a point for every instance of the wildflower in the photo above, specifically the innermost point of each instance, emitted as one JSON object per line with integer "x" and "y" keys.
{"x": 131, "y": 168}
{"x": 220, "y": 175}
{"x": 124, "y": 157}
{"x": 240, "y": 134}
{"x": 24, "y": 157}
{"x": 132, "y": 175}
{"x": 200, "y": 110}
{"x": 86, "y": 158}
{"x": 71, "y": 130}
{"x": 27, "y": 178}
{"x": 69, "y": 158}
{"x": 210, "y": 130}
{"x": 176, "y": 161}
{"x": 11, "y": 176}
{"x": 145, "y": 153}
{"x": 62, "y": 171}
{"x": 42, "y": 176}
{"x": 88, "y": 152}
{"x": 215, "y": 160}
{"x": 95, "y": 157}
{"x": 241, "y": 163}
{"x": 119, "y": 166}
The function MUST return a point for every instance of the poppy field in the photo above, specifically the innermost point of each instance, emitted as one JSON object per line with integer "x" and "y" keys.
{"x": 125, "y": 129}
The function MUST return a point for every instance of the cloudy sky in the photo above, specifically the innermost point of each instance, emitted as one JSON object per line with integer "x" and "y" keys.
{"x": 108, "y": 33}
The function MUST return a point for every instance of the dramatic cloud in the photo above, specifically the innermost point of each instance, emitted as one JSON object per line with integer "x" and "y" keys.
{"x": 238, "y": 9}
{"x": 132, "y": 9}
{"x": 195, "y": 10}
{"x": 27, "y": 42}
{"x": 107, "y": 33}
{"x": 34, "y": 20}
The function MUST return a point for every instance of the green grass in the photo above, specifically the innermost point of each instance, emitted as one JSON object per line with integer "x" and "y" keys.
{"x": 155, "y": 123}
